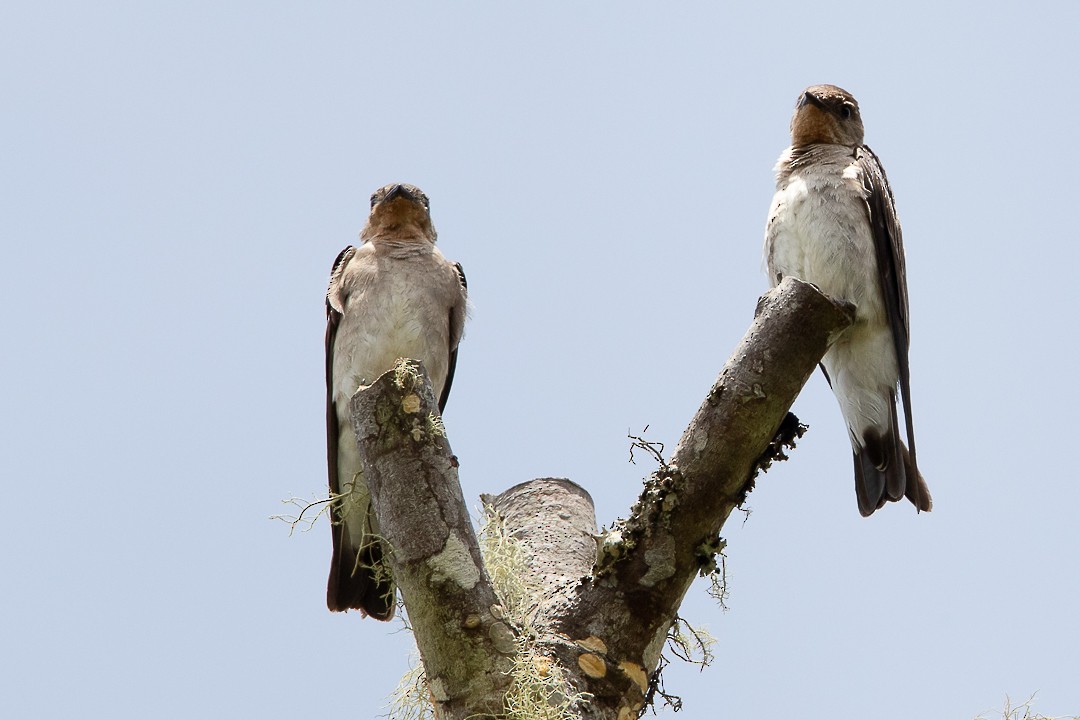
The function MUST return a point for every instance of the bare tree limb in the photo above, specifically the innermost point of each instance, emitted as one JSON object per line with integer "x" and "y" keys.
{"x": 648, "y": 562}
{"x": 433, "y": 552}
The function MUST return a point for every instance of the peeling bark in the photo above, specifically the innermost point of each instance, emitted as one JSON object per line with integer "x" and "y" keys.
{"x": 606, "y": 603}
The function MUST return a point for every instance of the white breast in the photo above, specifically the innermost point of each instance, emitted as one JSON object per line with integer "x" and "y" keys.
{"x": 397, "y": 314}
{"x": 818, "y": 231}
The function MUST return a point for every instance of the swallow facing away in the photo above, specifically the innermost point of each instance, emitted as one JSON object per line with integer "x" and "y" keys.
{"x": 833, "y": 223}
{"x": 394, "y": 296}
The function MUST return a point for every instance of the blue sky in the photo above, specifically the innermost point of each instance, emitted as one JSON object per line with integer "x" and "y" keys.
{"x": 177, "y": 179}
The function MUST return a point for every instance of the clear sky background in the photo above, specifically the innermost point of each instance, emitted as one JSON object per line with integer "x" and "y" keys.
{"x": 176, "y": 179}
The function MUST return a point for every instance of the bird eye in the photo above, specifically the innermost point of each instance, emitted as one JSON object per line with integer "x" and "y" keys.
{"x": 845, "y": 111}
{"x": 374, "y": 198}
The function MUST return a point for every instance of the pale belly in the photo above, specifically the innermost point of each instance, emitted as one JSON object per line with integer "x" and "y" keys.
{"x": 821, "y": 235}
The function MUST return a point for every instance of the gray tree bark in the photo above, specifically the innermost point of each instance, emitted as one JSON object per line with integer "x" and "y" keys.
{"x": 601, "y": 606}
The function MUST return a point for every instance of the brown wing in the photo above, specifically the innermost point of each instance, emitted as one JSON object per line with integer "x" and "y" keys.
{"x": 889, "y": 249}
{"x": 457, "y": 320}
{"x": 334, "y": 311}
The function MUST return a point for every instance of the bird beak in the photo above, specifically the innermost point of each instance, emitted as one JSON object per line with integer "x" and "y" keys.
{"x": 809, "y": 97}
{"x": 395, "y": 192}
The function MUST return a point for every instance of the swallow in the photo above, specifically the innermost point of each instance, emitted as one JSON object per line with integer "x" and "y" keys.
{"x": 833, "y": 223}
{"x": 394, "y": 296}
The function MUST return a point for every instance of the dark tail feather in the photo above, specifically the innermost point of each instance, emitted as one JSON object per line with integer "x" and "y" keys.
{"x": 875, "y": 485}
{"x": 917, "y": 490}
{"x": 869, "y": 484}
{"x": 894, "y": 466}
{"x": 359, "y": 580}
{"x": 879, "y": 470}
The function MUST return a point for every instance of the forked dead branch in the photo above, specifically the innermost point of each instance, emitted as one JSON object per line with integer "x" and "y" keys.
{"x": 604, "y": 604}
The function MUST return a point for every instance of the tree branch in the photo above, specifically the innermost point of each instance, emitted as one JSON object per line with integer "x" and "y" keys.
{"x": 647, "y": 563}
{"x": 433, "y": 552}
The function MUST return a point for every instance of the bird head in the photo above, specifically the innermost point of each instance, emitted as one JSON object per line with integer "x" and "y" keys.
{"x": 826, "y": 114}
{"x": 399, "y": 210}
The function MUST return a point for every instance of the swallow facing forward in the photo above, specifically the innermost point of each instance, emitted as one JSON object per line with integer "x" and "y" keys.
{"x": 833, "y": 223}
{"x": 394, "y": 296}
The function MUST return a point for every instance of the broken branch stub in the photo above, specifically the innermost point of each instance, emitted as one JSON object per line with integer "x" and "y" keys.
{"x": 554, "y": 519}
